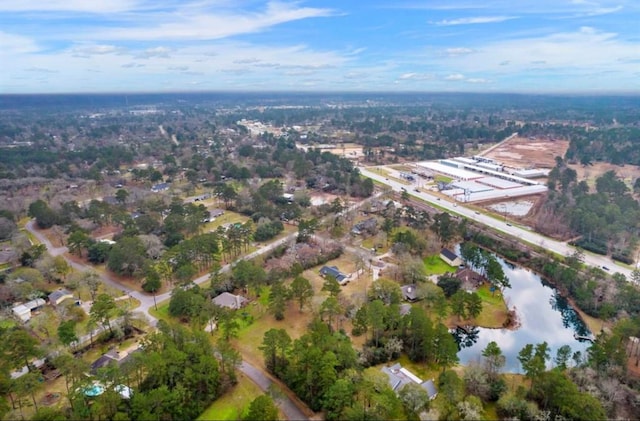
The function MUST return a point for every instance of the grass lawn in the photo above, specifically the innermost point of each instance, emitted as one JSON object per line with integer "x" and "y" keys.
{"x": 434, "y": 265}
{"x": 229, "y": 217}
{"x": 443, "y": 179}
{"x": 162, "y": 313}
{"x": 490, "y": 411}
{"x": 231, "y": 405}
{"x": 421, "y": 370}
{"x": 494, "y": 309}
{"x": 370, "y": 242}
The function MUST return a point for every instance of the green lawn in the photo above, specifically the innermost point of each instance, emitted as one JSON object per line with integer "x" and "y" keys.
{"x": 494, "y": 309}
{"x": 162, "y": 313}
{"x": 443, "y": 178}
{"x": 231, "y": 405}
{"x": 434, "y": 265}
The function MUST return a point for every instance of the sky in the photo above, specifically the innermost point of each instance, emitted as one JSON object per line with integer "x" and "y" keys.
{"x": 523, "y": 46}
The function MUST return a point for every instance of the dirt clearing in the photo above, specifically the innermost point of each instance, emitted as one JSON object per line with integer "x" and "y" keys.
{"x": 524, "y": 152}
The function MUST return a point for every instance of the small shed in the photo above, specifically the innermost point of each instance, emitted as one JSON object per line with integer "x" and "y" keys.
{"x": 450, "y": 257}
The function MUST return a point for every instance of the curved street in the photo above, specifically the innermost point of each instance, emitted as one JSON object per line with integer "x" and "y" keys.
{"x": 292, "y": 409}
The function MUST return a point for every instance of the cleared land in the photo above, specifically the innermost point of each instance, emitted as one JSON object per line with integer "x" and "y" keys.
{"x": 522, "y": 152}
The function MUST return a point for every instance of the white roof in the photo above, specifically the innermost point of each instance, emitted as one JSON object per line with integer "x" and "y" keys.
{"x": 411, "y": 375}
{"x": 450, "y": 171}
{"x": 21, "y": 309}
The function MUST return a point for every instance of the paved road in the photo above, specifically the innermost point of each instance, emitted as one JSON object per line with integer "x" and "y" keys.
{"x": 290, "y": 409}
{"x": 523, "y": 233}
{"x": 288, "y": 406}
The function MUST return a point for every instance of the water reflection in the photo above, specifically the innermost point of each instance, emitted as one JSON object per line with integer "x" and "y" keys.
{"x": 466, "y": 336}
{"x": 543, "y": 316}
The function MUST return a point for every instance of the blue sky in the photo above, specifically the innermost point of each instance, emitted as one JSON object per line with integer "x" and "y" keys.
{"x": 541, "y": 46}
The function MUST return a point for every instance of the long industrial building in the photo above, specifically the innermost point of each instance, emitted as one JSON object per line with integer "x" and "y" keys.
{"x": 475, "y": 180}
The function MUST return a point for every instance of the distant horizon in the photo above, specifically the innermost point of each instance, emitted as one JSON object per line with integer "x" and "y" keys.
{"x": 563, "y": 47}
{"x": 332, "y": 92}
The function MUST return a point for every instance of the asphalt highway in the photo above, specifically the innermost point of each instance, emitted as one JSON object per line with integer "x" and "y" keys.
{"x": 523, "y": 233}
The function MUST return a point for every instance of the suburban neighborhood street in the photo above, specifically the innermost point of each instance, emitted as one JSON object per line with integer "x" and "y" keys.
{"x": 289, "y": 407}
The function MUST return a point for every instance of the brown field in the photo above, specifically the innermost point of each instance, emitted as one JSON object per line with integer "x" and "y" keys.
{"x": 628, "y": 173}
{"x": 521, "y": 152}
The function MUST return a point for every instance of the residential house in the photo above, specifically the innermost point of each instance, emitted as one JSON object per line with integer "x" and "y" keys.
{"x": 409, "y": 293}
{"x": 156, "y": 188}
{"x": 111, "y": 357}
{"x": 288, "y": 197}
{"x": 368, "y": 226}
{"x": 450, "y": 257}
{"x": 469, "y": 279}
{"x": 399, "y": 377}
{"x": 24, "y": 311}
{"x": 228, "y": 300}
{"x": 110, "y": 200}
{"x": 58, "y": 296}
{"x": 334, "y": 272}
{"x": 213, "y": 214}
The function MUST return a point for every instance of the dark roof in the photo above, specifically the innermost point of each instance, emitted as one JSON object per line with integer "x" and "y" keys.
{"x": 160, "y": 186}
{"x": 333, "y": 271}
{"x": 57, "y": 294}
{"x": 449, "y": 254}
{"x": 103, "y": 361}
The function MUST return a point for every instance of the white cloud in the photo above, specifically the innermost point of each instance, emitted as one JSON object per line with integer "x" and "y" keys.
{"x": 86, "y": 6}
{"x": 458, "y": 51}
{"x": 454, "y": 77}
{"x": 200, "y": 24}
{"x": 16, "y": 44}
{"x": 588, "y": 49}
{"x": 473, "y": 20}
{"x": 416, "y": 76}
{"x": 162, "y": 52}
{"x": 476, "y": 80}
{"x": 90, "y": 50}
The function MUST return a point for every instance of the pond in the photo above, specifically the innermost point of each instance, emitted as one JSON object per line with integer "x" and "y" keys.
{"x": 543, "y": 316}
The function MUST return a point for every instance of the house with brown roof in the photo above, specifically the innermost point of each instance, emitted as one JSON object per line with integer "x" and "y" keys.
{"x": 469, "y": 279}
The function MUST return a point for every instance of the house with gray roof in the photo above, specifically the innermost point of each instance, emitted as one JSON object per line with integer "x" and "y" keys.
{"x": 399, "y": 377}
{"x": 58, "y": 296}
{"x": 334, "y": 272}
{"x": 450, "y": 257}
{"x": 409, "y": 293}
{"x": 228, "y": 300}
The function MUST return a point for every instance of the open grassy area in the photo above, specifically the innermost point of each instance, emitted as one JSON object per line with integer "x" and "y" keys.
{"x": 494, "y": 309}
{"x": 162, "y": 313}
{"x": 443, "y": 178}
{"x": 229, "y": 217}
{"x": 434, "y": 265}
{"x": 422, "y": 370}
{"x": 231, "y": 405}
